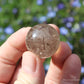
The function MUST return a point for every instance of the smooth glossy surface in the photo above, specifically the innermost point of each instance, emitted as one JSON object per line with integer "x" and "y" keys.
{"x": 43, "y": 40}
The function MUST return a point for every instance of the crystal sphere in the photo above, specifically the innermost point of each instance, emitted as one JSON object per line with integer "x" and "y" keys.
{"x": 43, "y": 40}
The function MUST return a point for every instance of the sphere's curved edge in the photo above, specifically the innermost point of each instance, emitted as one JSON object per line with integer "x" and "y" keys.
{"x": 45, "y": 57}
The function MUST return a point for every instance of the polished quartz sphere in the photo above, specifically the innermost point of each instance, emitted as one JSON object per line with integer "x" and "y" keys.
{"x": 43, "y": 40}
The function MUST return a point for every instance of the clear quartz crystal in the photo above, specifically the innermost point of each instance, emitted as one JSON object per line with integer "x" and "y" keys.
{"x": 43, "y": 40}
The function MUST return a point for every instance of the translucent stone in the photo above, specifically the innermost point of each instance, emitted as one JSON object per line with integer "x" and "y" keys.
{"x": 43, "y": 40}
